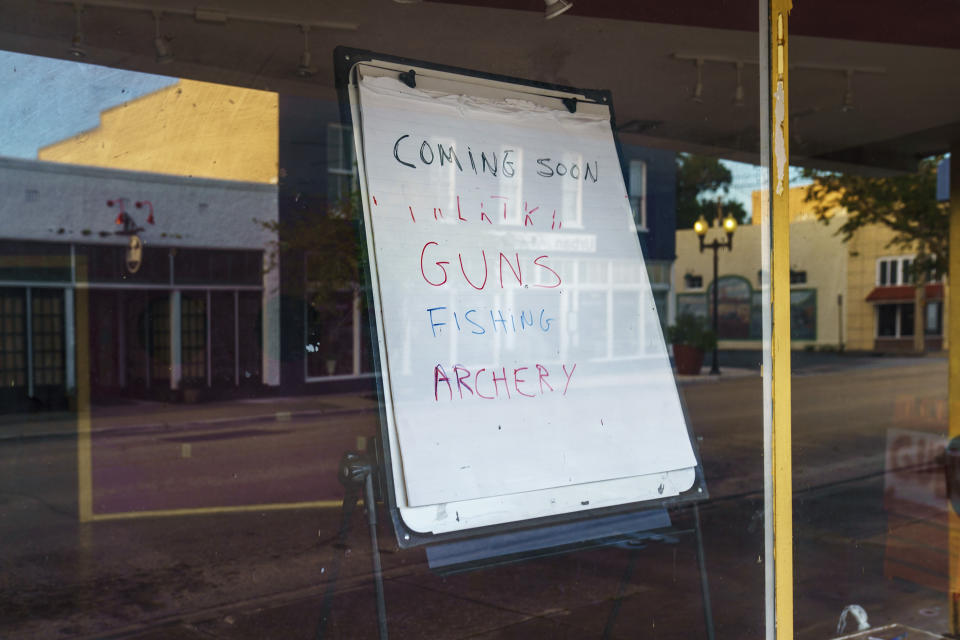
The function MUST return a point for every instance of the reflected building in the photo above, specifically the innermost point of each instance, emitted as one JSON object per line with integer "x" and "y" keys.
{"x": 196, "y": 311}
{"x": 216, "y": 182}
{"x": 857, "y": 295}
{"x": 326, "y": 335}
{"x": 190, "y": 172}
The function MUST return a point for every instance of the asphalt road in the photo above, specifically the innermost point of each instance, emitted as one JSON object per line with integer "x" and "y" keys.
{"x": 265, "y": 573}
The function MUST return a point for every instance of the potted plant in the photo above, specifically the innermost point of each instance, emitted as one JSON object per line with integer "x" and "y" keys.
{"x": 690, "y": 339}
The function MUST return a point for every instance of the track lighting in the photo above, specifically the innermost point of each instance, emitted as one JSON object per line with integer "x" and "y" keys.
{"x": 77, "y": 49}
{"x": 555, "y": 7}
{"x": 305, "y": 69}
{"x": 162, "y": 46}
{"x": 738, "y": 96}
{"x": 698, "y": 88}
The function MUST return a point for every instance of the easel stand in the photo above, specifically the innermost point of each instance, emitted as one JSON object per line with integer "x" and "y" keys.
{"x": 633, "y": 531}
{"x": 356, "y": 475}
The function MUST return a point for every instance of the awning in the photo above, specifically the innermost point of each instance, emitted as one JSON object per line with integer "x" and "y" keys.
{"x": 904, "y": 293}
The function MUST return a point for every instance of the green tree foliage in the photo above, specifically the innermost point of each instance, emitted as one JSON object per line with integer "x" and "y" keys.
{"x": 906, "y": 204}
{"x": 692, "y": 330}
{"x": 702, "y": 182}
{"x": 328, "y": 242}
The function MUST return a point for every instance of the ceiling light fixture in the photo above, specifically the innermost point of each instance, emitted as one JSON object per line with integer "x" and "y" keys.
{"x": 305, "y": 69}
{"x": 698, "y": 88}
{"x": 161, "y": 44}
{"x": 555, "y": 7}
{"x": 76, "y": 44}
{"x": 207, "y": 15}
{"x": 848, "y": 94}
{"x": 738, "y": 93}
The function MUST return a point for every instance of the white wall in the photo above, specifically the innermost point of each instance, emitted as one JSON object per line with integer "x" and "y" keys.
{"x": 68, "y": 203}
{"x": 58, "y": 202}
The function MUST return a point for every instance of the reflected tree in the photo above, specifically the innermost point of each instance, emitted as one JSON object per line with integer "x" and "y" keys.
{"x": 703, "y": 182}
{"x": 906, "y": 204}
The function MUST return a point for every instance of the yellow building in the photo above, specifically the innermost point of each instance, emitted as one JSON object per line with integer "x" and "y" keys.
{"x": 881, "y": 313}
{"x": 800, "y": 209}
{"x": 190, "y": 128}
{"x": 817, "y": 274}
{"x": 855, "y": 295}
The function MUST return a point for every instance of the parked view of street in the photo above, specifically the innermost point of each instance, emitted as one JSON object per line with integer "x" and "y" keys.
{"x": 223, "y": 520}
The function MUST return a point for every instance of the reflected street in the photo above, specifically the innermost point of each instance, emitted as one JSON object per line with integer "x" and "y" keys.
{"x": 206, "y": 567}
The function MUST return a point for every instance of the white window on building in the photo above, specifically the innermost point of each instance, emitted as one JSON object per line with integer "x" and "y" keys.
{"x": 934, "y": 320}
{"x": 341, "y": 165}
{"x": 894, "y": 271}
{"x": 638, "y": 193}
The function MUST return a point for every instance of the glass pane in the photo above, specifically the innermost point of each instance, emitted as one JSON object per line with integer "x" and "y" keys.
{"x": 191, "y": 338}
{"x": 906, "y": 319}
{"x": 934, "y": 314}
{"x": 874, "y": 526}
{"x": 887, "y": 320}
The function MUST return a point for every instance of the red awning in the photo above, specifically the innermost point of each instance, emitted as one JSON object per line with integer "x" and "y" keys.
{"x": 904, "y": 293}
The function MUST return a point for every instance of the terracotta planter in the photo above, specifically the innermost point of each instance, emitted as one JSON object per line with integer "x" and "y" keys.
{"x": 687, "y": 359}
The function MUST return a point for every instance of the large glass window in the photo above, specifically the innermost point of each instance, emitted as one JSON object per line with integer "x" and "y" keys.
{"x": 13, "y": 346}
{"x": 190, "y": 340}
{"x": 895, "y": 320}
{"x": 47, "y": 318}
{"x": 193, "y": 330}
{"x": 874, "y": 523}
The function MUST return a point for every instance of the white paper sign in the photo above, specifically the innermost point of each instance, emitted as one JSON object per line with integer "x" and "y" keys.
{"x": 521, "y": 346}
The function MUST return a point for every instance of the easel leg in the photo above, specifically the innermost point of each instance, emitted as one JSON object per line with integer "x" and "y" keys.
{"x": 627, "y": 577}
{"x": 356, "y": 471}
{"x": 346, "y": 511}
{"x": 375, "y": 555}
{"x": 704, "y": 585}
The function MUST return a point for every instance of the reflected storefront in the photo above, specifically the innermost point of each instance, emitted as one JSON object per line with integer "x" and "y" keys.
{"x": 181, "y": 317}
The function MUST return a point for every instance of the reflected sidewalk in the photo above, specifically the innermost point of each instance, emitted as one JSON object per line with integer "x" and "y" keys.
{"x": 139, "y": 417}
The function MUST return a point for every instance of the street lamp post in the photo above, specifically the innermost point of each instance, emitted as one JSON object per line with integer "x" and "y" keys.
{"x": 700, "y": 227}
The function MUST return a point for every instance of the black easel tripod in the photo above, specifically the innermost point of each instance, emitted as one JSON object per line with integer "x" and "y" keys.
{"x": 356, "y": 476}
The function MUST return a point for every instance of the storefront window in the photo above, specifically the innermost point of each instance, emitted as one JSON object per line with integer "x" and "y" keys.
{"x": 229, "y": 247}
{"x": 194, "y": 329}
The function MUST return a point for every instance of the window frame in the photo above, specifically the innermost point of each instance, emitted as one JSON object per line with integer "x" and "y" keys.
{"x": 892, "y": 268}
{"x": 638, "y": 201}
{"x": 339, "y": 131}
{"x": 898, "y": 321}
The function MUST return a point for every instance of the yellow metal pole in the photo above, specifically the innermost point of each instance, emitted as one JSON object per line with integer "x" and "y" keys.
{"x": 952, "y": 298}
{"x": 781, "y": 468}
{"x": 82, "y": 337}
